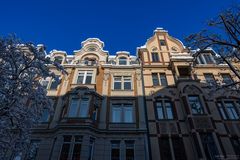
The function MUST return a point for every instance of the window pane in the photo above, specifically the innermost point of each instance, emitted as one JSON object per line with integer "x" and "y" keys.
{"x": 88, "y": 78}
{"x": 76, "y": 152}
{"x": 65, "y": 152}
{"x": 58, "y": 59}
{"x": 73, "y": 108}
{"x": 179, "y": 149}
{"x": 162, "y": 42}
{"x": 129, "y": 150}
{"x": 127, "y": 85}
{"x": 169, "y": 110}
{"x": 208, "y": 58}
{"x": 209, "y": 145}
{"x": 122, "y": 61}
{"x": 227, "y": 79}
{"x": 116, "y": 114}
{"x": 165, "y": 150}
{"x": 128, "y": 114}
{"x": 231, "y": 110}
{"x": 195, "y": 104}
{"x": 209, "y": 78}
{"x": 160, "y": 113}
{"x": 54, "y": 83}
{"x": 155, "y": 57}
{"x": 117, "y": 85}
{"x": 80, "y": 78}
{"x": 33, "y": 149}
{"x": 45, "y": 115}
{"x": 115, "y": 151}
{"x": 84, "y": 107}
{"x": 45, "y": 83}
{"x": 221, "y": 109}
{"x": 163, "y": 79}
{"x": 155, "y": 79}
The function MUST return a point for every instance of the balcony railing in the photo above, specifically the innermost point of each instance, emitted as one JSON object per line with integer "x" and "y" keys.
{"x": 87, "y": 63}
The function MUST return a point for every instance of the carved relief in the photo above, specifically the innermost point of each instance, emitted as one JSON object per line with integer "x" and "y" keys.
{"x": 138, "y": 75}
{"x": 191, "y": 89}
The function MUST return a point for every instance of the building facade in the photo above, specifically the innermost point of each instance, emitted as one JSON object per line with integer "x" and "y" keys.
{"x": 156, "y": 105}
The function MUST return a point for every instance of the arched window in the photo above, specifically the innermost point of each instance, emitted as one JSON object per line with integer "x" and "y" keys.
{"x": 58, "y": 59}
{"x": 122, "y": 61}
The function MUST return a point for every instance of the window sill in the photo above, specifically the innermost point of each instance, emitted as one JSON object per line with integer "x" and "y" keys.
{"x": 128, "y": 126}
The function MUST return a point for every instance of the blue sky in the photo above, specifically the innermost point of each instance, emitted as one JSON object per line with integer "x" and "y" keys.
{"x": 121, "y": 24}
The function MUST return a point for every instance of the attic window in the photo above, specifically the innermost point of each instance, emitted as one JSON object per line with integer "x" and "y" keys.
{"x": 122, "y": 61}
{"x": 58, "y": 59}
{"x": 162, "y": 42}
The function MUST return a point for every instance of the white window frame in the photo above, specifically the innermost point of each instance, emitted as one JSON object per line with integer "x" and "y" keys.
{"x": 50, "y": 81}
{"x": 85, "y": 74}
{"x": 122, "y": 81}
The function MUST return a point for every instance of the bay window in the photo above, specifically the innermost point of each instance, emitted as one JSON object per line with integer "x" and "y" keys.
{"x": 78, "y": 107}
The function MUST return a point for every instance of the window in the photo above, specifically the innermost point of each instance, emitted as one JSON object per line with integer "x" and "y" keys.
{"x": 164, "y": 109}
{"x": 236, "y": 145}
{"x": 79, "y": 108}
{"x": 195, "y": 104}
{"x": 65, "y": 147}
{"x": 71, "y": 143}
{"x": 55, "y": 83}
{"x": 45, "y": 115}
{"x": 165, "y": 150}
{"x": 227, "y": 110}
{"x": 163, "y": 79}
{"x": 85, "y": 77}
{"x": 208, "y": 58}
{"x": 155, "y": 79}
{"x": 122, "y": 61}
{"x": 159, "y": 79}
{"x": 33, "y": 149}
{"x": 122, "y": 113}
{"x": 89, "y": 61}
{"x": 184, "y": 72}
{"x": 58, "y": 59}
{"x": 205, "y": 58}
{"x": 45, "y": 83}
{"x": 162, "y": 42}
{"x": 209, "y": 145}
{"x": 226, "y": 78}
{"x": 115, "y": 150}
{"x": 77, "y": 147}
{"x": 91, "y": 148}
{"x": 155, "y": 57}
{"x": 209, "y": 79}
{"x": 129, "y": 150}
{"x": 122, "y": 83}
{"x": 178, "y": 148}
